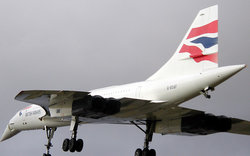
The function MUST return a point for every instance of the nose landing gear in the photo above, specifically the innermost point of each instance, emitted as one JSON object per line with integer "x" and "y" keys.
{"x": 50, "y": 134}
{"x": 72, "y": 144}
{"x": 150, "y": 126}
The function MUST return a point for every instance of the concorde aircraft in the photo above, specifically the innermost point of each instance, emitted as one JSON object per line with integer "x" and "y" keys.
{"x": 192, "y": 70}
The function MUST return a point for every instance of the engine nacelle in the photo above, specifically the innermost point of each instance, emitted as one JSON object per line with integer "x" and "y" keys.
{"x": 200, "y": 124}
{"x": 95, "y": 106}
{"x": 203, "y": 124}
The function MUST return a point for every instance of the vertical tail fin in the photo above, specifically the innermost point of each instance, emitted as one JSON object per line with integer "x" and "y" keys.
{"x": 198, "y": 50}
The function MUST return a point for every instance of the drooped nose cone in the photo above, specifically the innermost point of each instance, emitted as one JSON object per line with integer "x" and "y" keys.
{"x": 8, "y": 133}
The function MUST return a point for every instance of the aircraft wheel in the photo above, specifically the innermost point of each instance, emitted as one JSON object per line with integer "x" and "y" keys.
{"x": 79, "y": 145}
{"x": 65, "y": 145}
{"x": 72, "y": 145}
{"x": 152, "y": 152}
{"x": 138, "y": 152}
{"x": 145, "y": 152}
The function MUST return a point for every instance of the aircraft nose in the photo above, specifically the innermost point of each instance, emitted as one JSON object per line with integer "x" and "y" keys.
{"x": 8, "y": 133}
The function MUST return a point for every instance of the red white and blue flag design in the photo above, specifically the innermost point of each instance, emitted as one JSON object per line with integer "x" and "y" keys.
{"x": 202, "y": 43}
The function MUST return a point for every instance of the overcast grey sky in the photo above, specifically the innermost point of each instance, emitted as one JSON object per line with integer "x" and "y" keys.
{"x": 88, "y": 44}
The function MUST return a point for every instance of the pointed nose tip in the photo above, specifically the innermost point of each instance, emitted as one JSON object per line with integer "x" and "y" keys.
{"x": 8, "y": 133}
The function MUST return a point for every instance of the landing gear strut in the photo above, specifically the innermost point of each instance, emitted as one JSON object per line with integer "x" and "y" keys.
{"x": 150, "y": 126}
{"x": 50, "y": 134}
{"x": 72, "y": 144}
{"x": 205, "y": 92}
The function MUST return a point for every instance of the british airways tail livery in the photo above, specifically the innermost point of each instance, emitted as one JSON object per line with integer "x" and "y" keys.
{"x": 192, "y": 71}
{"x": 198, "y": 51}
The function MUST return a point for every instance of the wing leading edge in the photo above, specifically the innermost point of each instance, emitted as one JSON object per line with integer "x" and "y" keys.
{"x": 46, "y": 98}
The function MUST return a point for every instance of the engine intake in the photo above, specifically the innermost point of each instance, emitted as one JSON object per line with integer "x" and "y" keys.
{"x": 95, "y": 106}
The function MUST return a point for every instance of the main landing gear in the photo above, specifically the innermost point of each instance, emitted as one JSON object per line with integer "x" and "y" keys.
{"x": 50, "y": 134}
{"x": 72, "y": 144}
{"x": 150, "y": 126}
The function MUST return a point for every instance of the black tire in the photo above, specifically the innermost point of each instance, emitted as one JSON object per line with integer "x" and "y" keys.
{"x": 65, "y": 145}
{"x": 138, "y": 152}
{"x": 79, "y": 145}
{"x": 72, "y": 145}
{"x": 44, "y": 154}
{"x": 152, "y": 152}
{"x": 145, "y": 152}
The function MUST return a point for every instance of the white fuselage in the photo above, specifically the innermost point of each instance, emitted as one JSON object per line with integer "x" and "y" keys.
{"x": 175, "y": 90}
